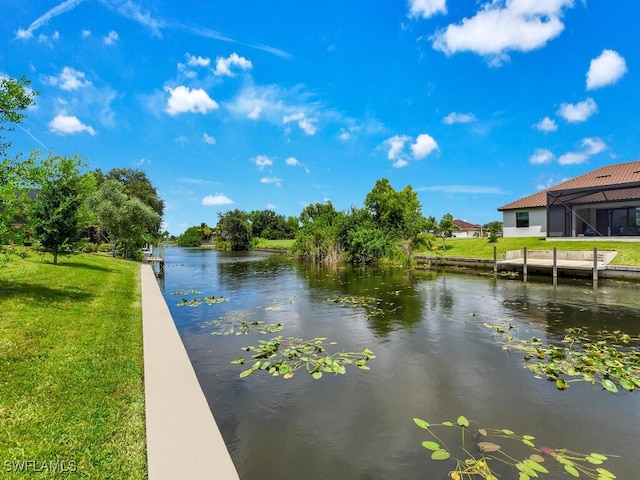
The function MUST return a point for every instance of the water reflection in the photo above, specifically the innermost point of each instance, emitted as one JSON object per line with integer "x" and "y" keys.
{"x": 435, "y": 360}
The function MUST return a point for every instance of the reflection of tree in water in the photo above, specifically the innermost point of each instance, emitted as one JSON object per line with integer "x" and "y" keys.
{"x": 248, "y": 264}
{"x": 399, "y": 303}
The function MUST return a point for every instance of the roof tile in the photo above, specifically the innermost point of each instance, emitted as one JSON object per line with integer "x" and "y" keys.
{"x": 620, "y": 174}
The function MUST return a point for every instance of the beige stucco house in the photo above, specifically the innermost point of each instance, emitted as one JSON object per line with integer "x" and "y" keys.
{"x": 602, "y": 203}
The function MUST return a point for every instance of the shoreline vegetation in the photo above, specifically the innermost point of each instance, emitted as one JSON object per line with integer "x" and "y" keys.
{"x": 72, "y": 393}
{"x": 628, "y": 252}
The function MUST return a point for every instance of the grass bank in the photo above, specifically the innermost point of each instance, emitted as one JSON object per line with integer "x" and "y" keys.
{"x": 274, "y": 244}
{"x": 628, "y": 252}
{"x": 71, "y": 369}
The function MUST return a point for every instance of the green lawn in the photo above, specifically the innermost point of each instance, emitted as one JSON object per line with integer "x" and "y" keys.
{"x": 628, "y": 252}
{"x": 71, "y": 368}
{"x": 274, "y": 244}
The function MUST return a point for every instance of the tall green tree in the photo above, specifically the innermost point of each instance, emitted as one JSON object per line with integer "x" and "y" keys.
{"x": 363, "y": 241}
{"x": 136, "y": 184}
{"x": 494, "y": 230}
{"x": 122, "y": 219}
{"x": 443, "y": 229}
{"x": 192, "y": 236}
{"x": 59, "y": 212}
{"x": 15, "y": 98}
{"x": 318, "y": 238}
{"x": 234, "y": 228}
{"x": 15, "y": 174}
{"x": 268, "y": 224}
{"x": 399, "y": 213}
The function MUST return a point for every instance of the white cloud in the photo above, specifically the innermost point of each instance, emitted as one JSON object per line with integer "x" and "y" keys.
{"x": 501, "y": 26}
{"x": 546, "y": 125}
{"x": 396, "y": 150}
{"x": 223, "y": 65}
{"x": 86, "y": 33}
{"x": 111, "y": 38}
{"x": 307, "y": 125}
{"x": 182, "y": 99}
{"x": 401, "y": 162}
{"x": 262, "y": 161}
{"x": 593, "y": 145}
{"x": 396, "y": 146}
{"x": 424, "y": 145}
{"x": 578, "y": 112}
{"x": 208, "y": 139}
{"x": 426, "y": 8}
{"x": 255, "y": 113}
{"x": 455, "y": 117}
{"x": 68, "y": 124}
{"x": 605, "y": 70}
{"x": 541, "y": 156}
{"x": 276, "y": 180}
{"x": 48, "y": 15}
{"x": 573, "y": 158}
{"x": 194, "y": 61}
{"x": 294, "y": 162}
{"x": 217, "y": 199}
{"x": 130, "y": 10}
{"x": 344, "y": 134}
{"x": 70, "y": 79}
{"x": 281, "y": 107}
{"x": 271, "y": 206}
{"x": 588, "y": 147}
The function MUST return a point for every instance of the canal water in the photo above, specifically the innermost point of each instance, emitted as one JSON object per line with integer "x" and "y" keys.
{"x": 435, "y": 359}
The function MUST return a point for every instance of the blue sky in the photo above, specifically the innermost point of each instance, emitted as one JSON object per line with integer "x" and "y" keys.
{"x": 256, "y": 105}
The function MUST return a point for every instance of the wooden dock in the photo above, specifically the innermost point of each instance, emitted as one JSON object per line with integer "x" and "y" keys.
{"x": 536, "y": 260}
{"x": 155, "y": 260}
{"x": 523, "y": 262}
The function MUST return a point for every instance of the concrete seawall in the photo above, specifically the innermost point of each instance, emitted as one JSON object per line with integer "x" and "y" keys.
{"x": 183, "y": 439}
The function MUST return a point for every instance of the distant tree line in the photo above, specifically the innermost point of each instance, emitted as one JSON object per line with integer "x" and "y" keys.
{"x": 389, "y": 227}
{"x": 56, "y": 203}
{"x": 238, "y": 230}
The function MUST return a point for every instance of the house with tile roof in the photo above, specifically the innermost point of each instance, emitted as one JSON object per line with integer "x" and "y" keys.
{"x": 602, "y": 203}
{"x": 466, "y": 230}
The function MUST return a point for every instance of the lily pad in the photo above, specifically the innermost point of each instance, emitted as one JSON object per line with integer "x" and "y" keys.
{"x": 440, "y": 454}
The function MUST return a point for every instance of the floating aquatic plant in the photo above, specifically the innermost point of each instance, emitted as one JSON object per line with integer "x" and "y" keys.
{"x": 370, "y": 305}
{"x": 284, "y": 356}
{"x": 487, "y": 451}
{"x": 238, "y": 326}
{"x": 611, "y": 359}
{"x": 185, "y": 292}
{"x": 195, "y": 302}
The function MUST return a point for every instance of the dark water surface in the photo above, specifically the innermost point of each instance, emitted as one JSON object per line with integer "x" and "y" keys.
{"x": 435, "y": 360}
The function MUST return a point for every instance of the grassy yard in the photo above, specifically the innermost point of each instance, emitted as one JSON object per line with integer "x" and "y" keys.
{"x": 274, "y": 244}
{"x": 628, "y": 252}
{"x": 71, "y": 369}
